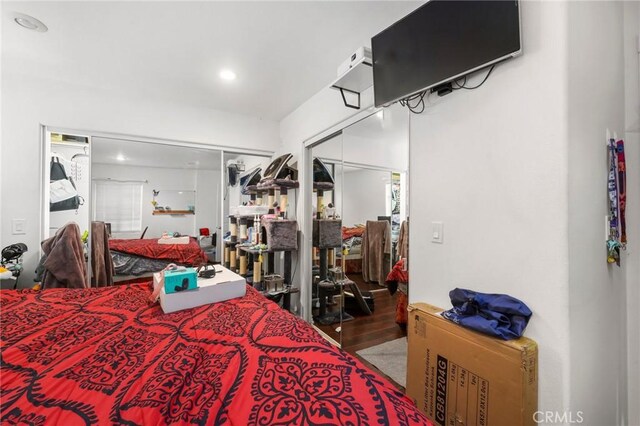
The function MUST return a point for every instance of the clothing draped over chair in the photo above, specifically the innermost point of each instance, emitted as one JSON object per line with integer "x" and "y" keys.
{"x": 64, "y": 263}
{"x": 376, "y": 251}
{"x": 101, "y": 262}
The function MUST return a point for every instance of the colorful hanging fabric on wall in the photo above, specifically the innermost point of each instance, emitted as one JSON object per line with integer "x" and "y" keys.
{"x": 616, "y": 185}
{"x": 622, "y": 192}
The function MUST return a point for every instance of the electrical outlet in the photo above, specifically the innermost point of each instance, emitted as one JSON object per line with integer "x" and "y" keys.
{"x": 19, "y": 226}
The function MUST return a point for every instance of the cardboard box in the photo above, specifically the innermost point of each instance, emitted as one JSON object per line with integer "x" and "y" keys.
{"x": 224, "y": 286}
{"x": 180, "y": 280}
{"x": 459, "y": 377}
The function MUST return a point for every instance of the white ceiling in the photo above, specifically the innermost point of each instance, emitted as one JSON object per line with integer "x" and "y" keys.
{"x": 124, "y": 152}
{"x": 282, "y": 52}
{"x": 139, "y": 154}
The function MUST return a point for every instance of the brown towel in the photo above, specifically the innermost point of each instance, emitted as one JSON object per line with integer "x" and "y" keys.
{"x": 101, "y": 261}
{"x": 376, "y": 251}
{"x": 403, "y": 240}
{"x": 65, "y": 264}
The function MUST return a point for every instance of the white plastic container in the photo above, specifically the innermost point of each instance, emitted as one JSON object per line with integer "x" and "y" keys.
{"x": 224, "y": 286}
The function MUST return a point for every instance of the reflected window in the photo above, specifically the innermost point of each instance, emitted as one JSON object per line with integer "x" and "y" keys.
{"x": 119, "y": 204}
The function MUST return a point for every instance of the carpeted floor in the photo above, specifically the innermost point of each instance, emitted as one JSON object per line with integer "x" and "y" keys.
{"x": 390, "y": 358}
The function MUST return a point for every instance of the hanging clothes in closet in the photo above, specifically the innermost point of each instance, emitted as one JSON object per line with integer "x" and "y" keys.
{"x": 102, "y": 268}
{"x": 403, "y": 240}
{"x": 376, "y": 251}
{"x": 616, "y": 185}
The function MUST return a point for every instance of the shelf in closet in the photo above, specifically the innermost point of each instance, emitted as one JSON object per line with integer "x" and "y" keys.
{"x": 173, "y": 212}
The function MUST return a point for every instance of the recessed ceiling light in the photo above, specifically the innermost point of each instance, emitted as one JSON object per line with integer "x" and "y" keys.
{"x": 30, "y": 23}
{"x": 227, "y": 75}
{"x": 120, "y": 157}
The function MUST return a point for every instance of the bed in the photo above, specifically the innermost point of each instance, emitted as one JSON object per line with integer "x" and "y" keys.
{"x": 352, "y": 242}
{"x": 136, "y": 257}
{"x": 107, "y": 356}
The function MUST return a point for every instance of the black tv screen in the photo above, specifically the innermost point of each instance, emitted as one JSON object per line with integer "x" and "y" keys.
{"x": 440, "y": 41}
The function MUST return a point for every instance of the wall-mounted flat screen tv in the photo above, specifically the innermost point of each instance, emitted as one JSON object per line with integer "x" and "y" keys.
{"x": 441, "y": 41}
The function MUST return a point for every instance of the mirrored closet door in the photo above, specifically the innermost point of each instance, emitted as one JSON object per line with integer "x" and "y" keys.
{"x": 143, "y": 191}
{"x": 326, "y": 254}
{"x": 375, "y": 220}
{"x": 118, "y": 199}
{"x": 362, "y": 301}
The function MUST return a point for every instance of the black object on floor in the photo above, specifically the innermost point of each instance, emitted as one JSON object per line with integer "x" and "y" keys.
{"x": 355, "y": 292}
{"x": 352, "y": 304}
{"x": 333, "y": 318}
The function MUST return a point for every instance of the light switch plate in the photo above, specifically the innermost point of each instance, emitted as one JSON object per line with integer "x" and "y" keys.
{"x": 437, "y": 232}
{"x": 19, "y": 226}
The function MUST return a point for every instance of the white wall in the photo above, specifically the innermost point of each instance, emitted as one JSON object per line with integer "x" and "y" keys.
{"x": 597, "y": 293}
{"x": 377, "y": 152}
{"x": 493, "y": 165}
{"x": 632, "y": 148}
{"x": 319, "y": 113}
{"x": 364, "y": 196}
{"x": 27, "y": 103}
{"x": 511, "y": 170}
{"x": 208, "y": 200}
{"x": 160, "y": 179}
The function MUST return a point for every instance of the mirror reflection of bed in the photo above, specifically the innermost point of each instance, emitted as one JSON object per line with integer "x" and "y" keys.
{"x": 160, "y": 203}
{"x": 130, "y": 206}
{"x": 369, "y": 198}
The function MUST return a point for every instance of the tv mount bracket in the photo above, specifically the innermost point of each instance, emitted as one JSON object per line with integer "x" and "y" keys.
{"x": 354, "y": 81}
{"x": 344, "y": 99}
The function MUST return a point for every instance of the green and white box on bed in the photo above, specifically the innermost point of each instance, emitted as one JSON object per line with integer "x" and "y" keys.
{"x": 223, "y": 286}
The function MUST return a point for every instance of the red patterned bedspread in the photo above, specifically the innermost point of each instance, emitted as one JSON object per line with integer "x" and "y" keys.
{"x": 105, "y": 356}
{"x": 355, "y": 231}
{"x": 185, "y": 254}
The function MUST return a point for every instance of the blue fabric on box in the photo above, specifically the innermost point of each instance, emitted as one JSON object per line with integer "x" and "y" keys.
{"x": 497, "y": 315}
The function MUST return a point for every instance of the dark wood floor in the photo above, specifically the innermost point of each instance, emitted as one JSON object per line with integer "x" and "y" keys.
{"x": 368, "y": 330}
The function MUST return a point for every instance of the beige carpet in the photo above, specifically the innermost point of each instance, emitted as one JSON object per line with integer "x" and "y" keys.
{"x": 390, "y": 358}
